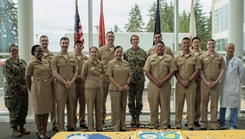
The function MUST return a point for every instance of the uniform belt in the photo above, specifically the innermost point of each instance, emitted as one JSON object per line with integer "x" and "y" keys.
{"x": 45, "y": 80}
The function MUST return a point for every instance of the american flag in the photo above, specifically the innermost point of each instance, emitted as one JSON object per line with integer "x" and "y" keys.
{"x": 78, "y": 30}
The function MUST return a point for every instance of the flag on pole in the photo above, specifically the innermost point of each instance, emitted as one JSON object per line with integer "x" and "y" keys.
{"x": 192, "y": 28}
{"x": 101, "y": 27}
{"x": 157, "y": 27}
{"x": 78, "y": 30}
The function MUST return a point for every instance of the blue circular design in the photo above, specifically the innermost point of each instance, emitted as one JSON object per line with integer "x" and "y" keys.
{"x": 149, "y": 135}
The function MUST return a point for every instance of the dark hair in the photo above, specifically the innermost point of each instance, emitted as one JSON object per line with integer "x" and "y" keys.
{"x": 109, "y": 32}
{"x": 196, "y": 38}
{"x": 78, "y": 41}
{"x": 34, "y": 48}
{"x": 12, "y": 45}
{"x": 160, "y": 42}
{"x": 210, "y": 40}
{"x": 117, "y": 47}
{"x": 158, "y": 33}
{"x": 134, "y": 36}
{"x": 43, "y": 36}
{"x": 94, "y": 48}
{"x": 64, "y": 38}
{"x": 186, "y": 38}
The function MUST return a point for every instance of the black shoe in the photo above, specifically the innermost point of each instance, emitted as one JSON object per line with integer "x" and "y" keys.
{"x": 55, "y": 128}
{"x": 178, "y": 128}
{"x": 203, "y": 129}
{"x": 71, "y": 129}
{"x": 191, "y": 128}
{"x": 123, "y": 130}
{"x": 103, "y": 122}
{"x": 186, "y": 124}
{"x": 84, "y": 126}
{"x": 197, "y": 124}
{"x": 169, "y": 126}
{"x": 99, "y": 130}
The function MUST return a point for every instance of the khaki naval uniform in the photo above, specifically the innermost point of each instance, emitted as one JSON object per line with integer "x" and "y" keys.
{"x": 79, "y": 92}
{"x": 167, "y": 50}
{"x": 41, "y": 86}
{"x": 48, "y": 56}
{"x": 93, "y": 92}
{"x": 198, "y": 80}
{"x": 120, "y": 72}
{"x": 186, "y": 66}
{"x": 105, "y": 55}
{"x": 211, "y": 67}
{"x": 159, "y": 69}
{"x": 65, "y": 67}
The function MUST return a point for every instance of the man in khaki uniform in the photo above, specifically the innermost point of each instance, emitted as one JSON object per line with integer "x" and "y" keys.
{"x": 157, "y": 38}
{"x": 188, "y": 67}
{"x": 106, "y": 54}
{"x": 64, "y": 69}
{"x": 213, "y": 68}
{"x": 79, "y": 89}
{"x": 47, "y": 55}
{"x": 159, "y": 68}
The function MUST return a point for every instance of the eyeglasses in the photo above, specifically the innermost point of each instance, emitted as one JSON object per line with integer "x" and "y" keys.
{"x": 13, "y": 50}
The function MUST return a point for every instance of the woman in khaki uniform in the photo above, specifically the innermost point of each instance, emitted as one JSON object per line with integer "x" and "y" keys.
{"x": 91, "y": 71}
{"x": 40, "y": 88}
{"x": 119, "y": 73}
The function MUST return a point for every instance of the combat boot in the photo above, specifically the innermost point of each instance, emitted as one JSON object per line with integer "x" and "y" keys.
{"x": 23, "y": 130}
{"x": 16, "y": 132}
{"x": 133, "y": 120}
{"x": 137, "y": 120}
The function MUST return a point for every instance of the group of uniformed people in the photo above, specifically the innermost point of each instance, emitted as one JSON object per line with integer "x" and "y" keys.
{"x": 63, "y": 80}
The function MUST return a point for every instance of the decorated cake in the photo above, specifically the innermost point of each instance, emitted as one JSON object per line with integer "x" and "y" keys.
{"x": 159, "y": 134}
{"x": 87, "y": 136}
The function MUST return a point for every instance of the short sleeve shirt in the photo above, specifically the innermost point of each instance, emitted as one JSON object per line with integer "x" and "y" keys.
{"x": 160, "y": 67}
{"x": 106, "y": 55}
{"x": 211, "y": 66}
{"x": 187, "y": 65}
{"x": 65, "y": 67}
{"x": 39, "y": 70}
{"x": 92, "y": 71}
{"x": 120, "y": 71}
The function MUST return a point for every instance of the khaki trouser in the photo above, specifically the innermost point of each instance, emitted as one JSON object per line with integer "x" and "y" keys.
{"x": 64, "y": 98}
{"x": 214, "y": 96}
{"x": 156, "y": 97}
{"x": 197, "y": 114}
{"x": 118, "y": 112}
{"x": 54, "y": 107}
{"x": 94, "y": 100}
{"x": 181, "y": 94}
{"x": 79, "y": 97}
{"x": 105, "y": 86}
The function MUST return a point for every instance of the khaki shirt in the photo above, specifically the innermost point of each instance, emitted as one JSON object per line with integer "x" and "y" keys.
{"x": 167, "y": 50}
{"x": 80, "y": 62}
{"x": 160, "y": 67}
{"x": 64, "y": 67}
{"x": 186, "y": 66}
{"x": 105, "y": 55}
{"x": 92, "y": 71}
{"x": 211, "y": 66}
{"x": 48, "y": 57}
{"x": 120, "y": 71}
{"x": 39, "y": 70}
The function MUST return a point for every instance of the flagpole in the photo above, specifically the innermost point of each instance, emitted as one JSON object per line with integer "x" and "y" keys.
{"x": 90, "y": 23}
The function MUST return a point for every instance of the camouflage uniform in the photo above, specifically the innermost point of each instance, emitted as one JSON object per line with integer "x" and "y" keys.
{"x": 136, "y": 60}
{"x": 15, "y": 100}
